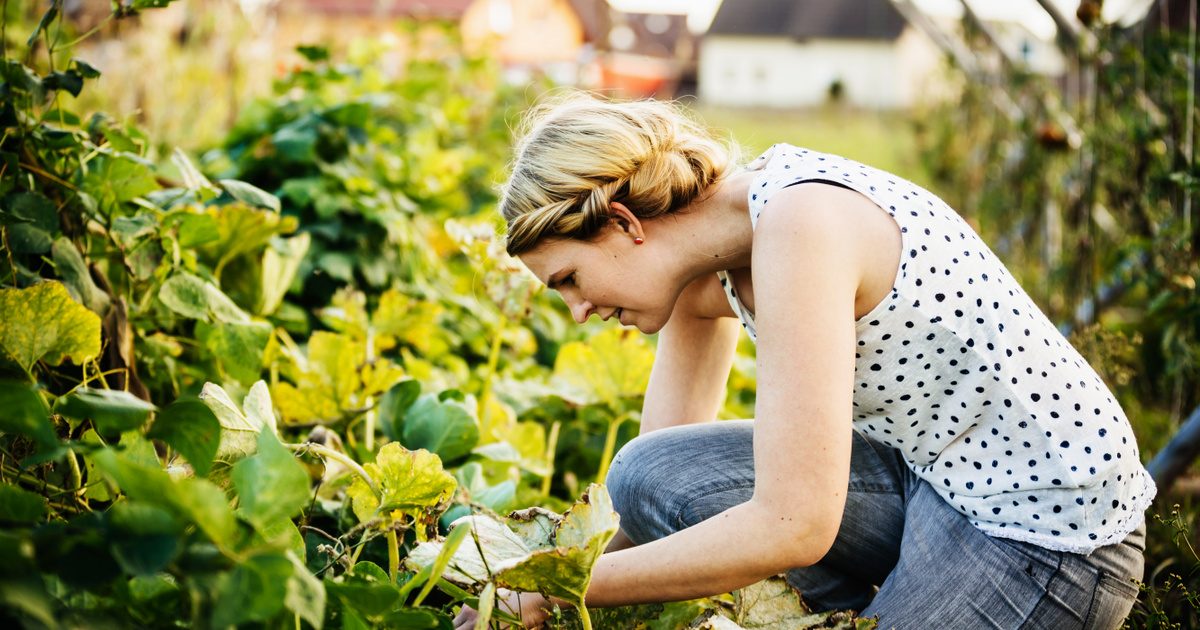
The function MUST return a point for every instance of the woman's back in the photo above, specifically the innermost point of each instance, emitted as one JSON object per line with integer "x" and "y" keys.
{"x": 960, "y": 371}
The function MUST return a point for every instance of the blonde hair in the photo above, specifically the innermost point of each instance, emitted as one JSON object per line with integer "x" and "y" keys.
{"x": 577, "y": 154}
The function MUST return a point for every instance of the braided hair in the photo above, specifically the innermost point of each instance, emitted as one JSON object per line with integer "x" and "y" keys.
{"x": 577, "y": 154}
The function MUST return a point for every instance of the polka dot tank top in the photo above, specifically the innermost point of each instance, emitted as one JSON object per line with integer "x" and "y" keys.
{"x": 958, "y": 370}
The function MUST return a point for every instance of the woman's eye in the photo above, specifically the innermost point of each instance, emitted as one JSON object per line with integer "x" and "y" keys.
{"x": 569, "y": 280}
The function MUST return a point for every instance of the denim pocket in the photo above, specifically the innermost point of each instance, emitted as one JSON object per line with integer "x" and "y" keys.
{"x": 1111, "y": 602}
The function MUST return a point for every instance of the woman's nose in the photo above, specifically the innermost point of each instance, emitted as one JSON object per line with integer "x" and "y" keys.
{"x": 581, "y": 310}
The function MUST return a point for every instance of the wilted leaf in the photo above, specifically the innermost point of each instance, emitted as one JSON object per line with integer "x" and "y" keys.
{"x": 271, "y": 485}
{"x": 498, "y": 544}
{"x": 535, "y": 526}
{"x": 410, "y": 482}
{"x": 239, "y": 431}
{"x": 566, "y": 570}
{"x": 42, "y": 322}
{"x": 190, "y": 427}
{"x": 113, "y": 411}
{"x": 281, "y": 260}
{"x": 612, "y": 365}
{"x": 561, "y": 569}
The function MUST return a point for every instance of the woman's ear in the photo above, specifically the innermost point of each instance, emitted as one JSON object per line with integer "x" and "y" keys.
{"x": 626, "y": 221}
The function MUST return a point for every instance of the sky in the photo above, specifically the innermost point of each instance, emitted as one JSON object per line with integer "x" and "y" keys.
{"x": 701, "y": 12}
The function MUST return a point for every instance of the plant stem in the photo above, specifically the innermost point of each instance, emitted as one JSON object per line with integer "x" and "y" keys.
{"x": 610, "y": 443}
{"x": 490, "y": 372}
{"x": 585, "y": 617}
{"x": 341, "y": 458}
{"x": 393, "y": 554}
{"x": 369, "y": 428}
{"x": 551, "y": 445}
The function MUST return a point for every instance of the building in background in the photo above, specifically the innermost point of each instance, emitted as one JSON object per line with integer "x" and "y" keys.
{"x": 797, "y": 54}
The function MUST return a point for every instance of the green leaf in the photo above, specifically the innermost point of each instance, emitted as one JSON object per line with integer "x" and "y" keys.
{"x": 145, "y": 538}
{"x": 150, "y": 4}
{"x": 271, "y": 486}
{"x": 395, "y": 403}
{"x": 25, "y": 412}
{"x": 116, "y": 178}
{"x": 238, "y": 347}
{"x": 196, "y": 298}
{"x": 498, "y": 498}
{"x": 305, "y": 594}
{"x": 261, "y": 587}
{"x": 365, "y": 589}
{"x": 193, "y": 179}
{"x": 250, "y": 194}
{"x": 190, "y": 427}
{"x": 197, "y": 229}
{"x": 411, "y": 482}
{"x": 254, "y": 591}
{"x": 193, "y": 500}
{"x": 313, "y": 53}
{"x": 69, "y": 81}
{"x": 42, "y": 25}
{"x": 33, "y": 208}
{"x": 85, "y": 69}
{"x": 445, "y": 428}
{"x": 244, "y": 229}
{"x": 114, "y": 411}
{"x": 69, "y": 265}
{"x": 20, "y": 506}
{"x": 27, "y": 239}
{"x": 43, "y": 323}
{"x": 21, "y": 77}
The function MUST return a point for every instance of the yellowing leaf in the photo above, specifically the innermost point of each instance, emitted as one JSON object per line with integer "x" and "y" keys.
{"x": 239, "y": 430}
{"x": 332, "y": 379}
{"x": 42, "y": 322}
{"x": 611, "y": 365}
{"x": 410, "y": 483}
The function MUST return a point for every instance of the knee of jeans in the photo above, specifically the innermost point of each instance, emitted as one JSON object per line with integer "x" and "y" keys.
{"x": 638, "y": 481}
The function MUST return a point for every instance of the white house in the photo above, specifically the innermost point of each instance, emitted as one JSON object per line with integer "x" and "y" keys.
{"x": 799, "y": 53}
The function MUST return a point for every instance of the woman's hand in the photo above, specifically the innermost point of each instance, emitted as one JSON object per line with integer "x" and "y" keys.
{"x": 531, "y": 608}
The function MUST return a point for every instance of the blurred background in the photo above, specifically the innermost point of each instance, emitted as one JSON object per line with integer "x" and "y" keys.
{"x": 1062, "y": 130}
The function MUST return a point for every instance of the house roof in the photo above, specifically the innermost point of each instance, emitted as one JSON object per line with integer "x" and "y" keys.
{"x": 807, "y": 19}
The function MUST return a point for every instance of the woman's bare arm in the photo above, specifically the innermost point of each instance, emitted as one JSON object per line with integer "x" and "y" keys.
{"x": 805, "y": 318}
{"x": 691, "y": 365}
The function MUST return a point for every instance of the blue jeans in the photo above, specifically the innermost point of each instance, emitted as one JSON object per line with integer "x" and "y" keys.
{"x": 902, "y": 553}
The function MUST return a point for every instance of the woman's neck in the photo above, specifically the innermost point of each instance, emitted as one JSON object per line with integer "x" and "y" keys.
{"x": 714, "y": 232}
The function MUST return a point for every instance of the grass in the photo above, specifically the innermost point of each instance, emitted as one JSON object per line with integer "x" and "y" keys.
{"x": 883, "y": 139}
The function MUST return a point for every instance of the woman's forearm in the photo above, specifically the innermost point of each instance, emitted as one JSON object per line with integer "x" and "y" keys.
{"x": 735, "y": 548}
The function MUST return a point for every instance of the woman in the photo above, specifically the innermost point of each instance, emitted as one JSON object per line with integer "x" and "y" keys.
{"x": 926, "y": 448}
